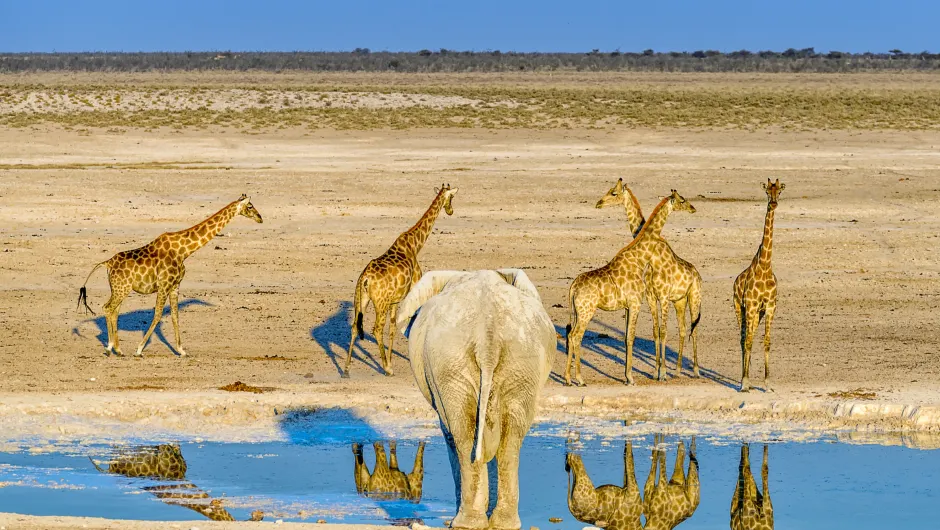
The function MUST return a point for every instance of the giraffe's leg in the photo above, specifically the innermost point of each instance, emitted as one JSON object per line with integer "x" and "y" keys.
{"x": 680, "y": 306}
{"x": 174, "y": 312}
{"x": 768, "y": 319}
{"x": 378, "y": 331}
{"x": 767, "y": 507}
{"x": 157, "y": 315}
{"x": 654, "y": 313}
{"x": 661, "y": 354}
{"x": 392, "y": 310}
{"x": 575, "y": 336}
{"x": 751, "y": 321}
{"x": 633, "y": 314}
{"x": 695, "y": 315}
{"x": 678, "y": 474}
{"x": 111, "y": 310}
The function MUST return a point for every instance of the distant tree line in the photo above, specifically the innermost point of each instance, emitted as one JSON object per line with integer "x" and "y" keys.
{"x": 443, "y": 60}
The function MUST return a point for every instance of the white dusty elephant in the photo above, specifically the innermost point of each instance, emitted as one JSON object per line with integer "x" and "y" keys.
{"x": 481, "y": 347}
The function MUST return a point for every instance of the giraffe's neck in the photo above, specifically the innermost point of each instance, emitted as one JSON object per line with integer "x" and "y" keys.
{"x": 414, "y": 239}
{"x": 196, "y": 237}
{"x": 765, "y": 251}
{"x": 654, "y": 225}
{"x": 634, "y": 214}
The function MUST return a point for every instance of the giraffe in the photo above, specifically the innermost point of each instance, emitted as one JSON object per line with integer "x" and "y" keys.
{"x": 166, "y": 462}
{"x": 678, "y": 282}
{"x": 666, "y": 504}
{"x": 750, "y": 509}
{"x": 618, "y": 285}
{"x": 623, "y": 196}
{"x": 389, "y": 277}
{"x": 755, "y": 293}
{"x": 158, "y": 268}
{"x": 386, "y": 481}
{"x": 608, "y": 506}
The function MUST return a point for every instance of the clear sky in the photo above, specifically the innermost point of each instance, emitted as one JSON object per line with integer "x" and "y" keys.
{"x": 507, "y": 25}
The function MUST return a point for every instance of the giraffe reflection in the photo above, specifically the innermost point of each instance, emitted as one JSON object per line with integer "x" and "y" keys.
{"x": 665, "y": 504}
{"x": 607, "y": 506}
{"x": 386, "y": 481}
{"x": 669, "y": 503}
{"x": 750, "y": 509}
{"x": 165, "y": 462}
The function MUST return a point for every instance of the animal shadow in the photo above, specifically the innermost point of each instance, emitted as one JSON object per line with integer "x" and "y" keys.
{"x": 139, "y": 321}
{"x": 336, "y": 330}
{"x": 644, "y": 355}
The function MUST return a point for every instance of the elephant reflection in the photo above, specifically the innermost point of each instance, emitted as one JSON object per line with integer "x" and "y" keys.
{"x": 165, "y": 462}
{"x": 386, "y": 481}
{"x": 664, "y": 504}
{"x": 750, "y": 509}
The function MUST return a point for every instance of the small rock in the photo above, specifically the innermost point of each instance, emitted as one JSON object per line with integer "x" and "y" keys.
{"x": 554, "y": 519}
{"x": 92, "y": 379}
{"x": 279, "y": 521}
{"x": 533, "y": 528}
{"x": 321, "y": 521}
{"x": 257, "y": 515}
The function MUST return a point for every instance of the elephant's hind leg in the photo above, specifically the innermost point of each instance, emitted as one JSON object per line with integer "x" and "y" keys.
{"x": 506, "y": 514}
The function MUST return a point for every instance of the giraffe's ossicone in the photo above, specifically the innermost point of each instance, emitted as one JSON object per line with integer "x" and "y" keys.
{"x": 158, "y": 268}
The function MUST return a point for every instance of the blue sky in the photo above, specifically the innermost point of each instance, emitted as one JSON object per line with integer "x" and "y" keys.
{"x": 410, "y": 25}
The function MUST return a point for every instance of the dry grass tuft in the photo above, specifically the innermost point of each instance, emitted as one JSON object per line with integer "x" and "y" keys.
{"x": 858, "y": 393}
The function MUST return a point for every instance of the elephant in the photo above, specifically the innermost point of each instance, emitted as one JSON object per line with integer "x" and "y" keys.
{"x": 480, "y": 345}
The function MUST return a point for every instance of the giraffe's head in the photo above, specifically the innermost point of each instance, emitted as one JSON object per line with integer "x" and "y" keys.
{"x": 773, "y": 190}
{"x": 448, "y": 195}
{"x": 614, "y": 196}
{"x": 680, "y": 204}
{"x": 247, "y": 209}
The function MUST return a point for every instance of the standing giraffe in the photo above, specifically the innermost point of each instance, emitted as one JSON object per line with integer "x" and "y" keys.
{"x": 608, "y": 506}
{"x": 389, "y": 277}
{"x": 619, "y": 285}
{"x": 158, "y": 268}
{"x": 755, "y": 293}
{"x": 666, "y": 504}
{"x": 677, "y": 282}
{"x": 750, "y": 509}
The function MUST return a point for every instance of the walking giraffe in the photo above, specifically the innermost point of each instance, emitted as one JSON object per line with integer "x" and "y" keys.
{"x": 751, "y": 509}
{"x": 158, "y": 268}
{"x": 755, "y": 293}
{"x": 389, "y": 277}
{"x": 677, "y": 282}
{"x": 619, "y": 285}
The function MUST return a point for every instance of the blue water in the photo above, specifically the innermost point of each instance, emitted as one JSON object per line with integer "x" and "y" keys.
{"x": 813, "y": 485}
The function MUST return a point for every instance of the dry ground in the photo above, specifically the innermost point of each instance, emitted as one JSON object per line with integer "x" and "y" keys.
{"x": 857, "y": 232}
{"x": 857, "y": 227}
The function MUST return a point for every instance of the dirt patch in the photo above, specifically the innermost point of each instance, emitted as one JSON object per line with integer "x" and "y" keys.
{"x": 267, "y": 358}
{"x": 142, "y": 387}
{"x": 238, "y": 386}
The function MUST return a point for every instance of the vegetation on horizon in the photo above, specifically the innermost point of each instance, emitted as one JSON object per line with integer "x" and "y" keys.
{"x": 365, "y": 106}
{"x": 443, "y": 60}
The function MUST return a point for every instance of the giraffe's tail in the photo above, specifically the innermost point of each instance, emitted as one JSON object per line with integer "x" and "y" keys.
{"x": 83, "y": 292}
{"x": 572, "y": 316}
{"x": 358, "y": 305}
{"x": 96, "y": 465}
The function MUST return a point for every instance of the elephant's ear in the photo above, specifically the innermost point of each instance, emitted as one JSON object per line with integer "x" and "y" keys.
{"x": 429, "y": 285}
{"x": 520, "y": 280}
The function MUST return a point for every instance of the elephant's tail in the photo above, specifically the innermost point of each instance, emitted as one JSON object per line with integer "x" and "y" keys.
{"x": 486, "y": 385}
